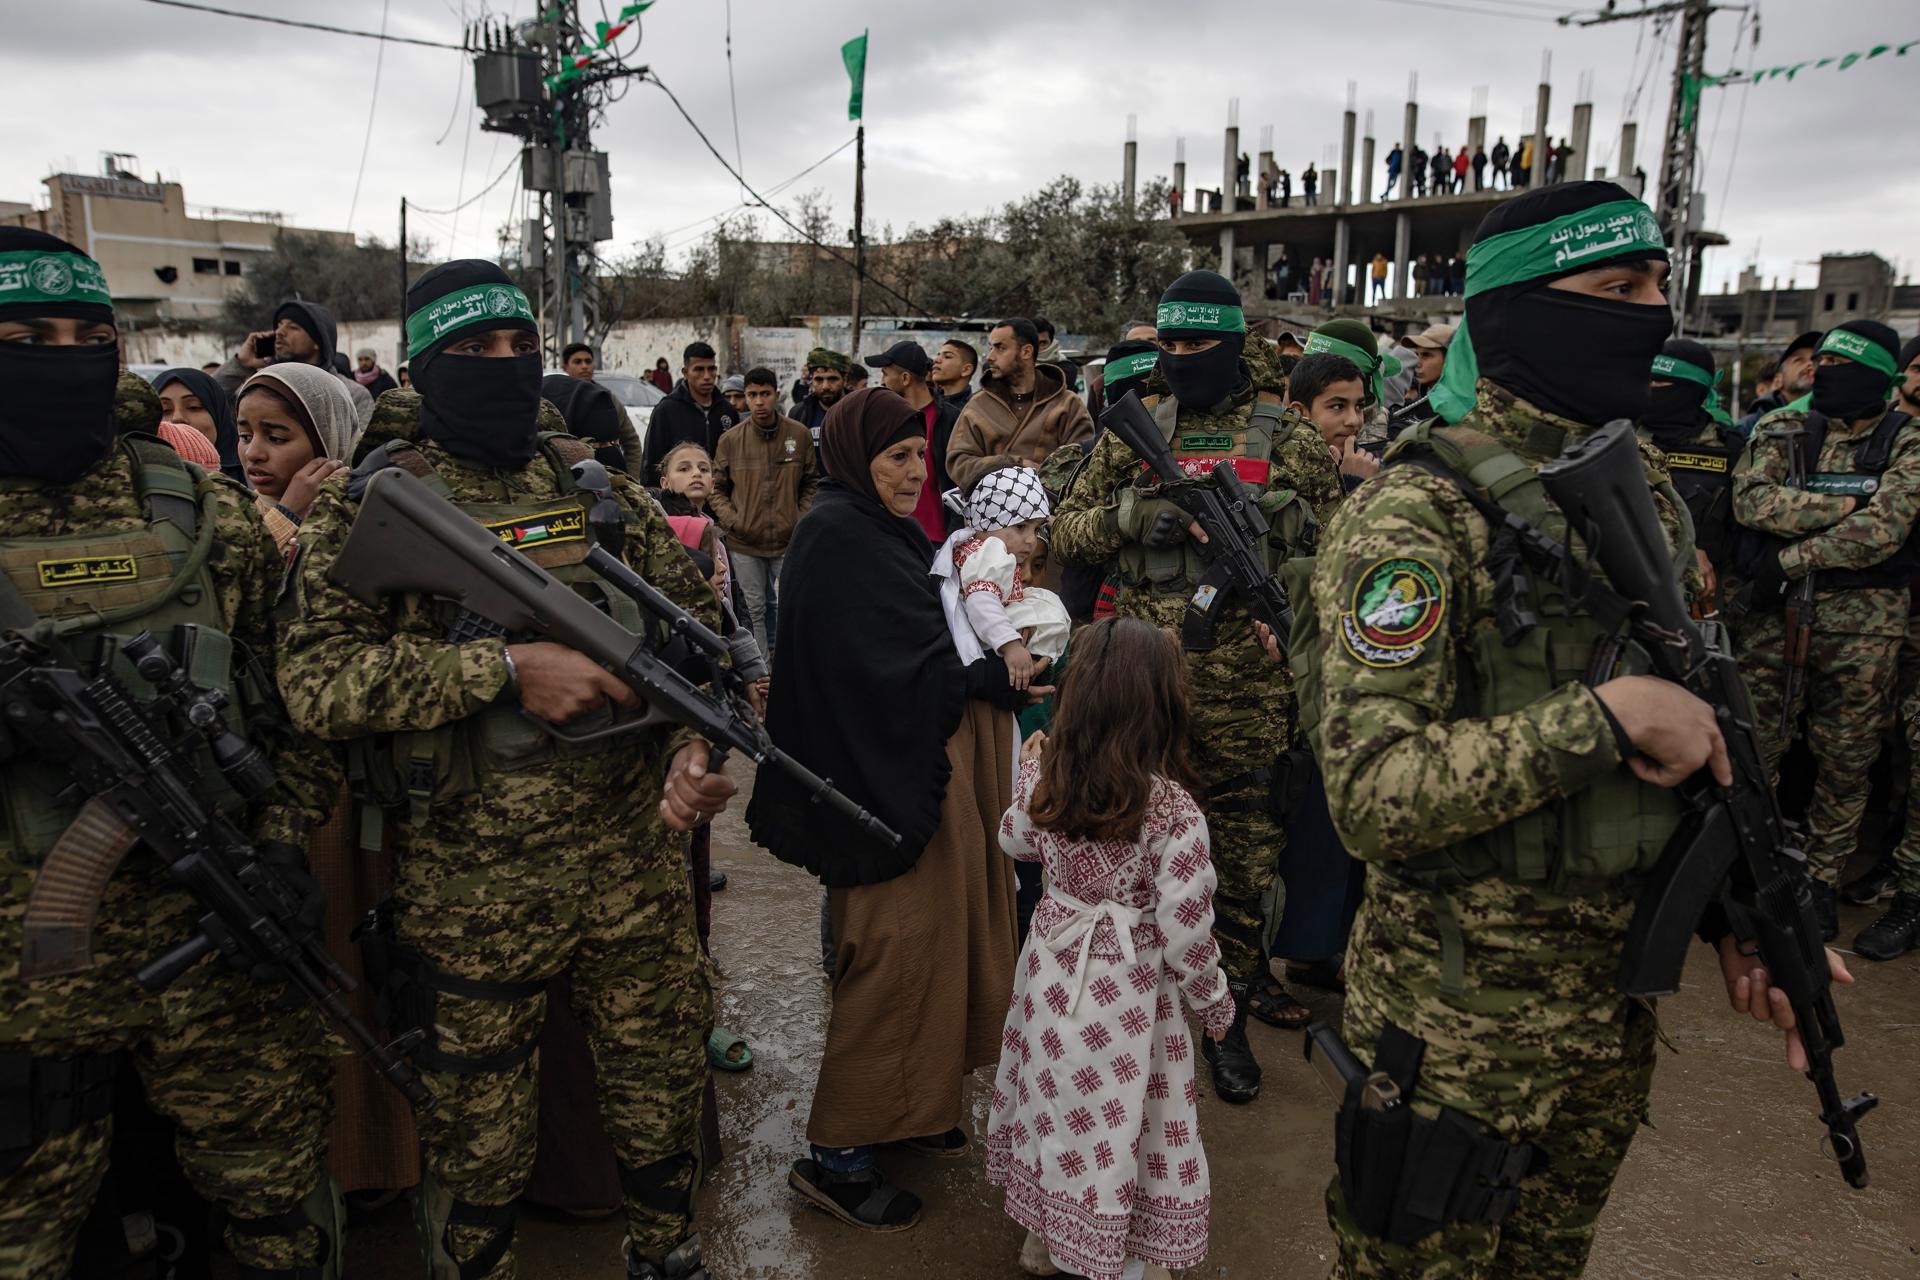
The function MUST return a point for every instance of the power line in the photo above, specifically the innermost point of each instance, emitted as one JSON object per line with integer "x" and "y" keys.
{"x": 308, "y": 26}
{"x": 1485, "y": 13}
{"x": 793, "y": 226}
{"x": 373, "y": 102}
{"x": 773, "y": 190}
{"x": 733, "y": 100}
{"x": 444, "y": 213}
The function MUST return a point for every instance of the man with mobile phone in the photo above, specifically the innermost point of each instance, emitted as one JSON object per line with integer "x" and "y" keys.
{"x": 302, "y": 332}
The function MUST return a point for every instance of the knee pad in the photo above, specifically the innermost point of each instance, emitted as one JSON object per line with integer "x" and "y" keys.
{"x": 324, "y": 1210}
{"x": 655, "y": 1185}
{"x": 436, "y": 1211}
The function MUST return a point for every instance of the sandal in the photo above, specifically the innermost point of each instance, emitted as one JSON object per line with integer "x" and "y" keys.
{"x": 1274, "y": 1005}
{"x": 720, "y": 1046}
{"x": 950, "y": 1145}
{"x": 864, "y": 1199}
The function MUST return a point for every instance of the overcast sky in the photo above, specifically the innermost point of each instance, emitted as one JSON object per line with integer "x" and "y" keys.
{"x": 967, "y": 105}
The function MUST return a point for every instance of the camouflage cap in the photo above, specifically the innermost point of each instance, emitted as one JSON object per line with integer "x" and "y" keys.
{"x": 827, "y": 358}
{"x": 136, "y": 405}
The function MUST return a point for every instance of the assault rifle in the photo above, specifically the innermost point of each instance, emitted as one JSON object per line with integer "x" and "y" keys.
{"x": 137, "y": 763}
{"x": 1799, "y": 609}
{"x": 1229, "y": 511}
{"x": 409, "y": 539}
{"x": 1732, "y": 848}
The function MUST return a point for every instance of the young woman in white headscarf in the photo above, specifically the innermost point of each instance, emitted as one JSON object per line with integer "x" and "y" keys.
{"x": 297, "y": 426}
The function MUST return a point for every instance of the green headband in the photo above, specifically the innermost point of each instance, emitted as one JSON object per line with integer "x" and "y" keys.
{"x": 1215, "y": 317}
{"x": 1129, "y": 367}
{"x": 1590, "y": 238}
{"x": 483, "y": 305}
{"x": 1374, "y": 366}
{"x": 1854, "y": 346}
{"x": 1676, "y": 370}
{"x": 35, "y": 275}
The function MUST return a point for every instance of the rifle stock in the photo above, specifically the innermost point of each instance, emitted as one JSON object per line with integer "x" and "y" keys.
{"x": 1736, "y": 846}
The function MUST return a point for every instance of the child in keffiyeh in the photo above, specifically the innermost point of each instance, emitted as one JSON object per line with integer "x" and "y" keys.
{"x": 990, "y": 605}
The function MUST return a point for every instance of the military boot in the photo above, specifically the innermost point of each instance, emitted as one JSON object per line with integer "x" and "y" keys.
{"x": 1876, "y": 883}
{"x": 1236, "y": 1075}
{"x": 683, "y": 1263}
{"x": 1895, "y": 933}
{"x": 1826, "y": 910}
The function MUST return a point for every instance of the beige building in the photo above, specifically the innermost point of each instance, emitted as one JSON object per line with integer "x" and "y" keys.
{"x": 161, "y": 261}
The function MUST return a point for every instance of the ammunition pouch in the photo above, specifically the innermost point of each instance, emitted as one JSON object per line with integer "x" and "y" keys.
{"x": 410, "y": 988}
{"x": 42, "y": 1098}
{"x": 1404, "y": 1176}
{"x": 1275, "y": 788}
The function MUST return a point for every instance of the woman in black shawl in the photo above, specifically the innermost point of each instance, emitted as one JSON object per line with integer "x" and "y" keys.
{"x": 217, "y": 405}
{"x": 869, "y": 691}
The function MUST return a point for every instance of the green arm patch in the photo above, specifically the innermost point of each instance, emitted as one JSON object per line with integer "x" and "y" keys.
{"x": 1395, "y": 609}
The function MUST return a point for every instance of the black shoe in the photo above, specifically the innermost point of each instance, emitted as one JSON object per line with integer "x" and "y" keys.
{"x": 1871, "y": 887}
{"x": 1236, "y": 1075}
{"x": 716, "y": 881}
{"x": 1826, "y": 910}
{"x": 1893, "y": 934}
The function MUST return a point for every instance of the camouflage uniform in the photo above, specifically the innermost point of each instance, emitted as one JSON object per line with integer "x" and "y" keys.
{"x": 246, "y": 1080}
{"x": 561, "y": 866}
{"x": 1853, "y": 659}
{"x": 1242, "y": 705}
{"x": 1509, "y": 983}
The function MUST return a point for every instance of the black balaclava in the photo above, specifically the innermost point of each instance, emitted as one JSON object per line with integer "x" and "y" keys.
{"x": 1679, "y": 408}
{"x": 56, "y": 417}
{"x": 1201, "y": 305}
{"x": 1860, "y": 388}
{"x": 480, "y": 409}
{"x": 1129, "y": 365}
{"x": 591, "y": 413}
{"x": 1574, "y": 356}
{"x": 1908, "y": 354}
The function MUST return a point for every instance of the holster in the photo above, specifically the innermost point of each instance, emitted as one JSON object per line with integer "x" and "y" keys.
{"x": 42, "y": 1098}
{"x": 410, "y": 987}
{"x": 1404, "y": 1176}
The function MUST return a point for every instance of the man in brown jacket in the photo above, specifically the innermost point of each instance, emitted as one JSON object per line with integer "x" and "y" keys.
{"x": 763, "y": 481}
{"x": 1022, "y": 412}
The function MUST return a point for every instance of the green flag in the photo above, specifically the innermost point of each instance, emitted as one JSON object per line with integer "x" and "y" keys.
{"x": 854, "y": 54}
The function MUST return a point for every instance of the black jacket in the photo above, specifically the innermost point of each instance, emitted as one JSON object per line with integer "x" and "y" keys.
{"x": 678, "y": 420}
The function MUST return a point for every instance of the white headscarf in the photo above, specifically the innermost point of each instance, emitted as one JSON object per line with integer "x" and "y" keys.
{"x": 1001, "y": 499}
{"x": 324, "y": 397}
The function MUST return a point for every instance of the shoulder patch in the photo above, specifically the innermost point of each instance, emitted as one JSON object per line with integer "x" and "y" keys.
{"x": 1396, "y": 607}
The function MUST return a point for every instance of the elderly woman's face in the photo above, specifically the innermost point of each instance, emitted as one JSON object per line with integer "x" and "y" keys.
{"x": 899, "y": 473}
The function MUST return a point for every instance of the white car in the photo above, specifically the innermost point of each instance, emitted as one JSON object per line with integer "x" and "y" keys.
{"x": 636, "y": 393}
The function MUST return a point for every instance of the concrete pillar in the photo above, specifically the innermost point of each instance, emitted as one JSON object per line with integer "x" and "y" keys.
{"x": 1578, "y": 139}
{"x": 1629, "y": 135}
{"x": 1129, "y": 165}
{"x": 1346, "y": 159}
{"x": 1180, "y": 181}
{"x": 1342, "y": 250}
{"x": 1226, "y": 251}
{"x": 1402, "y": 251}
{"x": 1229, "y": 168}
{"x": 1540, "y": 139}
{"x": 1366, "y": 170}
{"x": 1407, "y": 137}
{"x": 1260, "y": 179}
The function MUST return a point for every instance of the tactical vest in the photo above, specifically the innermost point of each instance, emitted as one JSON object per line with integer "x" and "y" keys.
{"x": 1871, "y": 458}
{"x": 1178, "y": 569}
{"x": 1602, "y": 837}
{"x": 1702, "y": 472}
{"x": 409, "y": 771}
{"x": 90, "y": 591}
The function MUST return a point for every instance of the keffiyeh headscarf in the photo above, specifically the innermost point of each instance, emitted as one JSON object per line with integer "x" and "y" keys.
{"x": 1004, "y": 498}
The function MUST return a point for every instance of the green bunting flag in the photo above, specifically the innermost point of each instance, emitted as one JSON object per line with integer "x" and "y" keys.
{"x": 1691, "y": 86}
{"x": 854, "y": 54}
{"x": 605, "y": 33}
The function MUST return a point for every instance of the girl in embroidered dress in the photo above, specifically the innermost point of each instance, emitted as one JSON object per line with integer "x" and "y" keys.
{"x": 1093, "y": 1130}
{"x": 983, "y": 572}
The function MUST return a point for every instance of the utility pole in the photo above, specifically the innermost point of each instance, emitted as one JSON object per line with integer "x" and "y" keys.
{"x": 1673, "y": 201}
{"x": 859, "y": 234}
{"x": 402, "y": 312}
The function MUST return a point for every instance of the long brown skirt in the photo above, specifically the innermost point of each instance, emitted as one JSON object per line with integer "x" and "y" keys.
{"x": 925, "y": 962}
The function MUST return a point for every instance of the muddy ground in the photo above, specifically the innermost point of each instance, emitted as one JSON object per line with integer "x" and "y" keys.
{"x": 1727, "y": 1182}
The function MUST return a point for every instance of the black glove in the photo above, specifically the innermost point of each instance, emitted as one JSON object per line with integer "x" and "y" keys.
{"x": 987, "y": 680}
{"x": 1769, "y": 584}
{"x": 1152, "y": 522}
